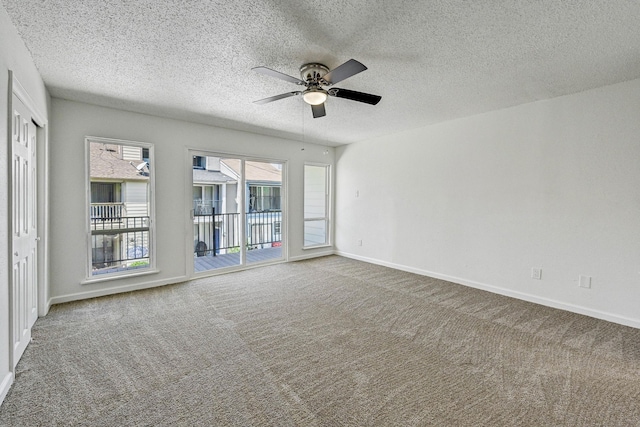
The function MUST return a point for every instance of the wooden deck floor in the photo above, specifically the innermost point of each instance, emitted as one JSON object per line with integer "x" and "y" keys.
{"x": 205, "y": 263}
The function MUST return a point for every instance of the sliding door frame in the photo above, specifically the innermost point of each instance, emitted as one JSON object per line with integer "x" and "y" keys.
{"x": 242, "y": 203}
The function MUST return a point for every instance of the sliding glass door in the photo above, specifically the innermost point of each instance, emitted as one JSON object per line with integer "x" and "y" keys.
{"x": 263, "y": 211}
{"x": 236, "y": 211}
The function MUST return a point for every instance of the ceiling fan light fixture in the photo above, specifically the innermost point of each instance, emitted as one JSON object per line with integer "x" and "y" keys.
{"x": 313, "y": 76}
{"x": 314, "y": 96}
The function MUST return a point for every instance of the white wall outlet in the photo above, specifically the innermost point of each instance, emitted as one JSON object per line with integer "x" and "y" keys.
{"x": 357, "y": 193}
{"x": 584, "y": 281}
{"x": 536, "y": 273}
{"x": 360, "y": 242}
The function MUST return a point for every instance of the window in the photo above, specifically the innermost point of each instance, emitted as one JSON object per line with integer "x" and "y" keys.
{"x": 199, "y": 162}
{"x": 120, "y": 206}
{"x": 316, "y": 205}
{"x": 105, "y": 192}
{"x": 264, "y": 198}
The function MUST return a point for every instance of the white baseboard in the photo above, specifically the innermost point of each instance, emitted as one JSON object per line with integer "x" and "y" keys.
{"x": 610, "y": 317}
{"x": 152, "y": 284}
{"x": 47, "y": 307}
{"x": 115, "y": 290}
{"x": 312, "y": 255}
{"x": 5, "y": 385}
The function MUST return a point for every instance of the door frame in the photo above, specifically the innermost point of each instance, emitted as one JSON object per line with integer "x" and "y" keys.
{"x": 188, "y": 202}
{"x": 42, "y": 208}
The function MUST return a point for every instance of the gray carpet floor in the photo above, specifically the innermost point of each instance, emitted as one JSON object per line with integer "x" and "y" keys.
{"x": 323, "y": 342}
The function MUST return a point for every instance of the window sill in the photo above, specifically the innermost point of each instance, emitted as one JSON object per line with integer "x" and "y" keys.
{"x": 110, "y": 277}
{"x": 306, "y": 248}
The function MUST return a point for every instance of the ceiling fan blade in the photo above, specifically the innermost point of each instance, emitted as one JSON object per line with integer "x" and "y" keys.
{"x": 275, "y": 98}
{"x": 278, "y": 75}
{"x": 318, "y": 111}
{"x": 367, "y": 98}
{"x": 344, "y": 71}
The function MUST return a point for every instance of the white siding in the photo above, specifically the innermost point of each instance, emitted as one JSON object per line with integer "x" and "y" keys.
{"x": 135, "y": 198}
{"x": 315, "y": 205}
{"x": 315, "y": 191}
{"x": 315, "y": 232}
{"x": 213, "y": 163}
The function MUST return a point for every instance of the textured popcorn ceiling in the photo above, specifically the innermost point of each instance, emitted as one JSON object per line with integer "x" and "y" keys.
{"x": 430, "y": 61}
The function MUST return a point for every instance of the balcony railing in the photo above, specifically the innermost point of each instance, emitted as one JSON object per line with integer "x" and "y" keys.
{"x": 107, "y": 211}
{"x": 117, "y": 225}
{"x": 220, "y": 233}
{"x": 264, "y": 229}
{"x": 215, "y": 234}
{"x": 121, "y": 243}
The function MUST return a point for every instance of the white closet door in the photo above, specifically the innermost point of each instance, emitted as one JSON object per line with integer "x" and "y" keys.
{"x": 23, "y": 228}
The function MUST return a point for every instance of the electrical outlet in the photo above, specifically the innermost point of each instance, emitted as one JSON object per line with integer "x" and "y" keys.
{"x": 536, "y": 273}
{"x": 357, "y": 193}
{"x": 584, "y": 281}
{"x": 359, "y": 242}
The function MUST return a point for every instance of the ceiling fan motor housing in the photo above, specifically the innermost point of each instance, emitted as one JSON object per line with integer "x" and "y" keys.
{"x": 312, "y": 73}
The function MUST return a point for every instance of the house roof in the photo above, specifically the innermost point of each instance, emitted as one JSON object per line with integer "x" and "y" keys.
{"x": 431, "y": 61}
{"x": 106, "y": 163}
{"x": 201, "y": 176}
{"x": 256, "y": 171}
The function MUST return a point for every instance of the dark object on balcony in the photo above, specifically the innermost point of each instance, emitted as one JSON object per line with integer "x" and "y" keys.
{"x": 201, "y": 248}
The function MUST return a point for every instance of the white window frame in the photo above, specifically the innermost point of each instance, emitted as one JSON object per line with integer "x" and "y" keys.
{"x": 328, "y": 210}
{"x": 151, "y": 268}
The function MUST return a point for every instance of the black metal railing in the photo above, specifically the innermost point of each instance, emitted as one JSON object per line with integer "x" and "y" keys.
{"x": 263, "y": 229}
{"x": 114, "y": 225}
{"x": 216, "y": 233}
{"x": 119, "y": 243}
{"x": 220, "y": 233}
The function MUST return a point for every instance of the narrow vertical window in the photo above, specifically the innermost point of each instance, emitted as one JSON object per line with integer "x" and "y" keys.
{"x": 316, "y": 205}
{"x": 120, "y": 207}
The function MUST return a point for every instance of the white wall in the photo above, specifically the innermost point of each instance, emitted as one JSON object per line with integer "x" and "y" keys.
{"x": 553, "y": 184}
{"x": 72, "y": 121}
{"x": 15, "y": 57}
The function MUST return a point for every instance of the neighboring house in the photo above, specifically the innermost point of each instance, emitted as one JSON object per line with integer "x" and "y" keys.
{"x": 263, "y": 184}
{"x": 214, "y": 202}
{"x": 211, "y": 186}
{"x": 216, "y": 190}
{"x": 119, "y": 212}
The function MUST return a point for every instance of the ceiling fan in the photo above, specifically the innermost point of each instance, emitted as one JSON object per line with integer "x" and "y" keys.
{"x": 314, "y": 76}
